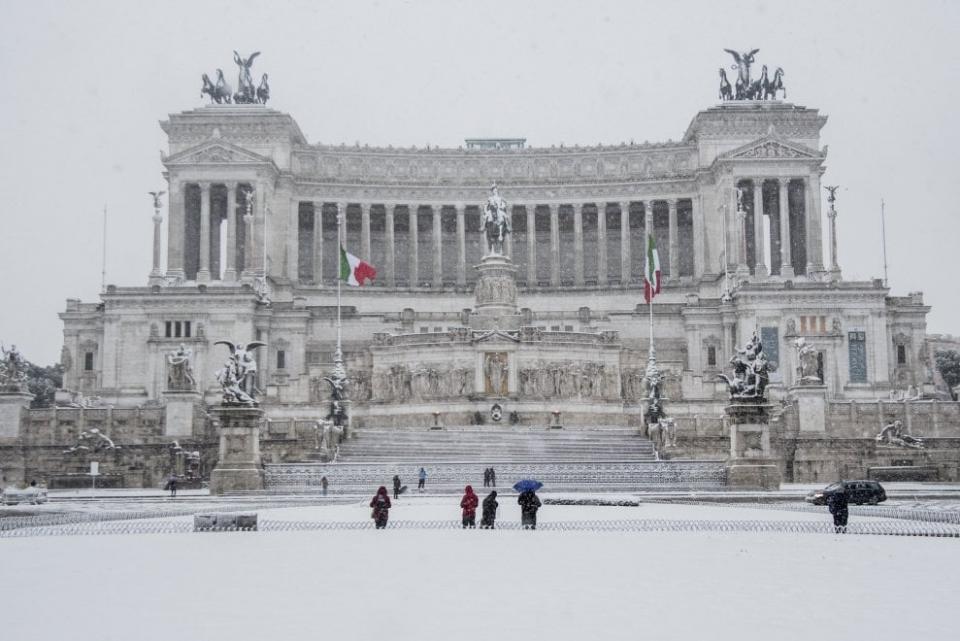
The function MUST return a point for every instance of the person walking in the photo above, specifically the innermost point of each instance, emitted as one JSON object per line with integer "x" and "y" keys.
{"x": 493, "y": 477}
{"x": 396, "y": 486}
{"x": 381, "y": 508}
{"x": 323, "y": 484}
{"x": 489, "y": 511}
{"x": 838, "y": 505}
{"x": 172, "y": 485}
{"x": 421, "y": 479}
{"x": 529, "y": 504}
{"x": 469, "y": 504}
{"x": 486, "y": 477}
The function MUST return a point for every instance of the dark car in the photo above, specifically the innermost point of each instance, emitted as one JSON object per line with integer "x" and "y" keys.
{"x": 858, "y": 493}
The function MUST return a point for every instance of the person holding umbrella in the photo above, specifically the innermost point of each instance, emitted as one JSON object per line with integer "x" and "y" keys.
{"x": 469, "y": 504}
{"x": 381, "y": 508}
{"x": 489, "y": 511}
{"x": 529, "y": 502}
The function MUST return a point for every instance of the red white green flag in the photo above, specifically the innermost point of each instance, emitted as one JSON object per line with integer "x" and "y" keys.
{"x": 353, "y": 271}
{"x": 651, "y": 276}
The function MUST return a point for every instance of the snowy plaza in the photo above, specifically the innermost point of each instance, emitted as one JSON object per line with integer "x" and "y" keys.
{"x": 424, "y": 578}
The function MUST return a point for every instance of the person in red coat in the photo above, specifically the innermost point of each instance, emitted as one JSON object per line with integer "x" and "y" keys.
{"x": 381, "y": 508}
{"x": 469, "y": 503}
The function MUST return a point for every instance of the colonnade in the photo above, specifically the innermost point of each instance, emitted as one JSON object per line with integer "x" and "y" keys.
{"x": 313, "y": 217}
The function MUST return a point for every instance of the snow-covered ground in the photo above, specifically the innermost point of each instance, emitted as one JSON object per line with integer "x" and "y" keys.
{"x": 454, "y": 584}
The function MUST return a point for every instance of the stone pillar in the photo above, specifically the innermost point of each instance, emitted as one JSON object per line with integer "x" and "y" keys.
{"x": 317, "y": 243}
{"x": 578, "y": 244}
{"x": 554, "y": 245}
{"x": 230, "y": 269}
{"x": 759, "y": 266}
{"x": 751, "y": 463}
{"x": 365, "y": 231}
{"x": 176, "y": 213}
{"x": 814, "y": 230}
{"x": 203, "y": 273}
{"x": 834, "y": 265}
{"x": 239, "y": 466}
{"x": 625, "y": 258}
{"x": 259, "y": 229}
{"x": 786, "y": 251}
{"x": 14, "y": 407}
{"x": 249, "y": 246}
{"x": 601, "y": 243}
{"x": 391, "y": 253}
{"x": 461, "y": 245}
{"x": 674, "y": 236}
{"x": 437, "y": 247}
{"x": 531, "y": 245}
{"x": 740, "y": 216}
{"x": 292, "y": 261}
{"x": 414, "y": 256}
{"x": 647, "y": 209}
{"x": 156, "y": 276}
{"x": 699, "y": 239}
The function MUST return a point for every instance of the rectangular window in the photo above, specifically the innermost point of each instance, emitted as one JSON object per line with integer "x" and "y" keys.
{"x": 711, "y": 356}
{"x": 437, "y": 329}
{"x": 901, "y": 354}
{"x": 770, "y": 339}
{"x": 186, "y": 329}
{"x": 177, "y": 329}
{"x": 88, "y": 361}
{"x": 424, "y": 330}
{"x": 281, "y": 359}
{"x": 169, "y": 329}
{"x": 858, "y": 356}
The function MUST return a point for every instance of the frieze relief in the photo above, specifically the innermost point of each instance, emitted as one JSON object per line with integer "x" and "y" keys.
{"x": 569, "y": 380}
{"x": 421, "y": 382}
{"x": 501, "y": 289}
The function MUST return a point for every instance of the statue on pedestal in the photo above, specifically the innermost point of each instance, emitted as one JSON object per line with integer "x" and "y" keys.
{"x": 237, "y": 378}
{"x": 751, "y": 372}
{"x": 180, "y": 371}
{"x": 496, "y": 222}
{"x": 13, "y": 370}
{"x": 246, "y": 92}
{"x": 807, "y": 357}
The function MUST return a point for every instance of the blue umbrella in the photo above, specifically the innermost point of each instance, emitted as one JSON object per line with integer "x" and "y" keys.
{"x": 527, "y": 485}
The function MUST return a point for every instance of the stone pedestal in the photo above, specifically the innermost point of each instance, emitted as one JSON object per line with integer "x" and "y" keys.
{"x": 496, "y": 295}
{"x": 751, "y": 463}
{"x": 238, "y": 466}
{"x": 182, "y": 408}
{"x": 14, "y": 405}
{"x": 811, "y": 402}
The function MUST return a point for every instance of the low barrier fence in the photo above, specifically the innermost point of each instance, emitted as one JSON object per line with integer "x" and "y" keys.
{"x": 893, "y": 512}
{"x": 871, "y": 528}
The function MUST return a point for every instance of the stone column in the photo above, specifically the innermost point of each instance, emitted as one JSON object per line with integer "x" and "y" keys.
{"x": 230, "y": 269}
{"x": 554, "y": 245}
{"x": 260, "y": 224}
{"x": 625, "y": 258}
{"x": 156, "y": 276}
{"x": 437, "y": 247}
{"x": 203, "y": 274}
{"x": 786, "y": 251}
{"x": 699, "y": 240}
{"x": 674, "y": 238}
{"x": 390, "y": 267}
{"x": 834, "y": 265}
{"x": 365, "y": 231}
{"x": 176, "y": 213}
{"x": 601, "y": 243}
{"x": 814, "y": 230}
{"x": 317, "y": 243}
{"x": 292, "y": 262}
{"x": 414, "y": 240}
{"x": 461, "y": 245}
{"x": 578, "y": 244}
{"x": 740, "y": 216}
{"x": 531, "y": 245}
{"x": 759, "y": 266}
{"x": 249, "y": 250}
{"x": 647, "y": 208}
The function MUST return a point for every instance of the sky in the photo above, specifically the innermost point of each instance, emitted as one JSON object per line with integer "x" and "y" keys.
{"x": 85, "y": 84}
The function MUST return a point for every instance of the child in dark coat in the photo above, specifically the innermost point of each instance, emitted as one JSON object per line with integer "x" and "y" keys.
{"x": 489, "y": 511}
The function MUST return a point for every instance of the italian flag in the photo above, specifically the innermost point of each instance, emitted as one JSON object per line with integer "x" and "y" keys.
{"x": 354, "y": 271}
{"x": 651, "y": 277}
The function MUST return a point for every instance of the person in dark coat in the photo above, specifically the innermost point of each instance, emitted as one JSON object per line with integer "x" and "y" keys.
{"x": 486, "y": 477}
{"x": 469, "y": 504}
{"x": 323, "y": 484}
{"x": 396, "y": 486}
{"x": 838, "y": 505}
{"x": 381, "y": 508}
{"x": 421, "y": 479}
{"x": 529, "y": 504}
{"x": 493, "y": 477}
{"x": 172, "y": 485}
{"x": 489, "y": 511}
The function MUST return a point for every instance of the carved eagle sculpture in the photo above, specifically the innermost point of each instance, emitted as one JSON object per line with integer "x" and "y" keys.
{"x": 156, "y": 198}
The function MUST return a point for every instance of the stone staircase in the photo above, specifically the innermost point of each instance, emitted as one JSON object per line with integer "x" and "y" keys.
{"x": 597, "y": 459}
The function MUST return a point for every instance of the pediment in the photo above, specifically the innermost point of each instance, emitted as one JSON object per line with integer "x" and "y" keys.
{"x": 773, "y": 148}
{"x": 496, "y": 336}
{"x": 216, "y": 152}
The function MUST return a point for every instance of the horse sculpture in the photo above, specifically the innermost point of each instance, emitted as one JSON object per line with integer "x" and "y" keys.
{"x": 743, "y": 61}
{"x": 726, "y": 89}
{"x": 770, "y": 88}
{"x": 263, "y": 91}
{"x": 496, "y": 224}
{"x": 219, "y": 92}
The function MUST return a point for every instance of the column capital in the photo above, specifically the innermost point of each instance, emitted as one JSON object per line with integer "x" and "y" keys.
{"x": 784, "y": 181}
{"x": 204, "y": 185}
{"x": 671, "y": 202}
{"x": 625, "y": 204}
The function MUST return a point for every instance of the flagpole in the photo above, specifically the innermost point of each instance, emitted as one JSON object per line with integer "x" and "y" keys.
{"x": 883, "y": 233}
{"x": 339, "y": 371}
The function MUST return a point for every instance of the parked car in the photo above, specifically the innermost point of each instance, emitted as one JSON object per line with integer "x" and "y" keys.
{"x": 32, "y": 495}
{"x": 858, "y": 493}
